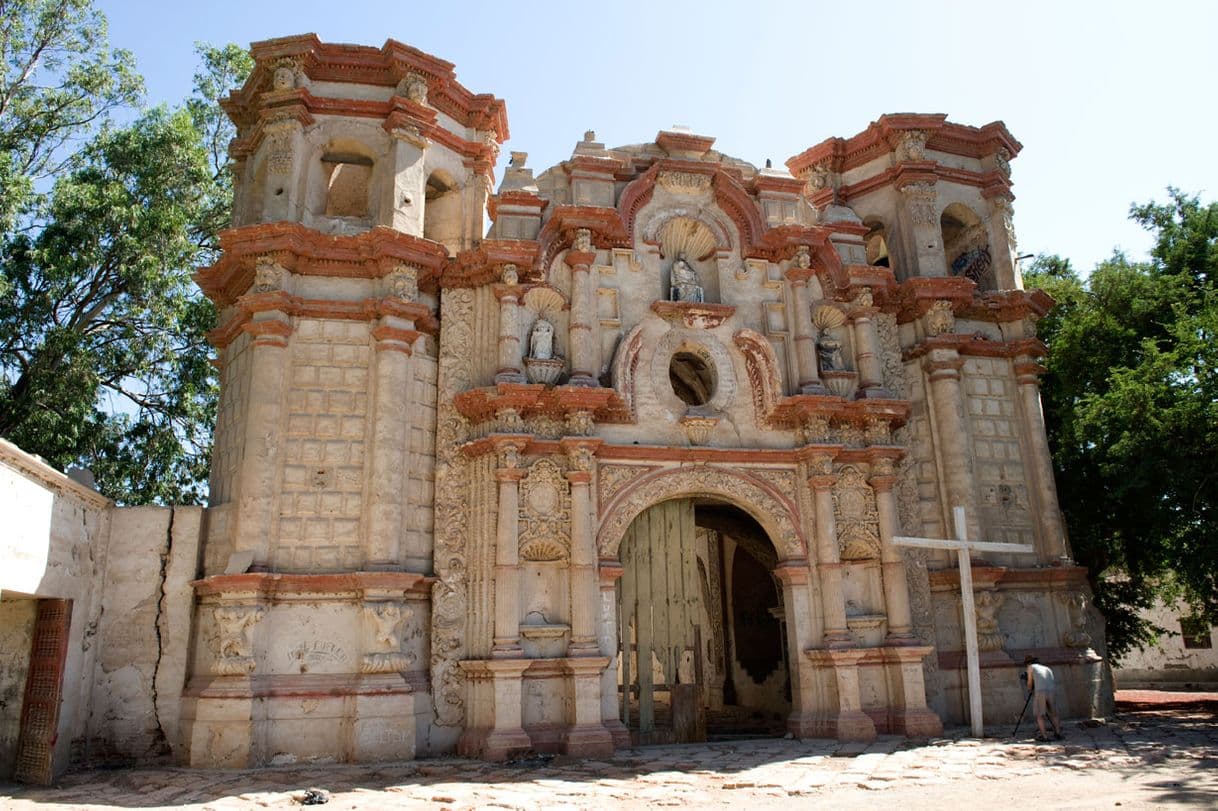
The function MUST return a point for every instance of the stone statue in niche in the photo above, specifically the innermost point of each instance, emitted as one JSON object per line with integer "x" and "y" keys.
{"x": 541, "y": 339}
{"x": 829, "y": 350}
{"x": 683, "y": 281}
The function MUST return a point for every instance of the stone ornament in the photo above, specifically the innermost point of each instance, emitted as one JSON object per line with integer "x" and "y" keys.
{"x": 856, "y": 516}
{"x": 580, "y": 423}
{"x": 684, "y": 183}
{"x": 1002, "y": 159}
{"x": 864, "y": 299}
{"x": 829, "y": 352}
{"x": 987, "y": 603}
{"x": 1076, "y": 636}
{"x": 545, "y": 514}
{"x": 510, "y": 274}
{"x": 414, "y": 87}
{"x": 913, "y": 145}
{"x": 582, "y": 242}
{"x": 541, "y": 339}
{"x": 920, "y": 199}
{"x": 268, "y": 275}
{"x": 403, "y": 282}
{"x": 383, "y": 620}
{"x": 739, "y": 489}
{"x": 819, "y": 177}
{"x": 940, "y": 319}
{"x": 235, "y": 651}
{"x": 803, "y": 257}
{"x": 612, "y": 478}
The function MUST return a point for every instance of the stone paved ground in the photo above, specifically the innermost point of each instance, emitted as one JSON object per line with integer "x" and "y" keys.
{"x": 1139, "y": 759}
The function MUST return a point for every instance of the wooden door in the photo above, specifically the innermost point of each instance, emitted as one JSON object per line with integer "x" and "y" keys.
{"x": 659, "y": 600}
{"x": 43, "y": 692}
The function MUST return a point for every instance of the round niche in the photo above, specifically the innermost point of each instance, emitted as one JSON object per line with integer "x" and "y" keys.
{"x": 692, "y": 376}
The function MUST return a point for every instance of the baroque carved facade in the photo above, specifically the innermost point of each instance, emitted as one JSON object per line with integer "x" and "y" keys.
{"x": 423, "y": 495}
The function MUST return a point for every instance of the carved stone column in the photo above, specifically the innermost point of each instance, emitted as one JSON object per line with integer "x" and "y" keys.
{"x": 805, "y": 342}
{"x": 510, "y": 352}
{"x": 896, "y": 587}
{"x": 282, "y": 142}
{"x": 507, "y": 551}
{"x": 583, "y": 349}
{"x": 610, "y": 572}
{"x": 263, "y": 441}
{"x": 1027, "y": 375}
{"x": 392, "y": 410}
{"x": 1003, "y": 248}
{"x": 871, "y": 375}
{"x": 828, "y": 555}
{"x": 943, "y": 371}
{"x": 585, "y": 596}
{"x": 921, "y": 204}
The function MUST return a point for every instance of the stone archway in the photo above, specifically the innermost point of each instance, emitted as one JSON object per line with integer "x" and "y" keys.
{"x": 773, "y": 510}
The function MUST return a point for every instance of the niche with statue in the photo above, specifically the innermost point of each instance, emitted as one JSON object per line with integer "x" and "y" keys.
{"x": 542, "y": 362}
{"x": 834, "y": 352}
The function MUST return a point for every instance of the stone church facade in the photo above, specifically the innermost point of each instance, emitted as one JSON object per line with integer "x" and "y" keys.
{"x": 627, "y": 467}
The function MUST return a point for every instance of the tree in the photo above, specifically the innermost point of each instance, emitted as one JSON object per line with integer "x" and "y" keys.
{"x": 1131, "y": 406}
{"x": 102, "y": 354}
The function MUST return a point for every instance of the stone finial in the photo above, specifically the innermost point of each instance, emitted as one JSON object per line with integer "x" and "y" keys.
{"x": 518, "y": 160}
{"x": 589, "y": 136}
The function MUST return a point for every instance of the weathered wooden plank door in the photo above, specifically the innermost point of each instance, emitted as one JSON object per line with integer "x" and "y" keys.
{"x": 659, "y": 604}
{"x": 43, "y": 692}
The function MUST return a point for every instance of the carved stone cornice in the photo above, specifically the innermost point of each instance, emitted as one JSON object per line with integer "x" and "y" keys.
{"x": 369, "y": 309}
{"x": 534, "y": 399}
{"x": 303, "y": 251}
{"x": 484, "y": 264}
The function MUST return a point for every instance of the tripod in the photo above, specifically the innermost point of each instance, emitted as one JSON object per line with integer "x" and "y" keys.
{"x": 1021, "y": 713}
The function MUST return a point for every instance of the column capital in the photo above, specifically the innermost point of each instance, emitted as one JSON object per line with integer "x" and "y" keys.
{"x": 939, "y": 368}
{"x": 580, "y": 260}
{"x": 822, "y": 482}
{"x": 270, "y": 331}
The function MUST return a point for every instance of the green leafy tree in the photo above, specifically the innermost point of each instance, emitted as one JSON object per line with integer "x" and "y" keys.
{"x": 103, "y": 362}
{"x": 59, "y": 82}
{"x": 1131, "y": 405}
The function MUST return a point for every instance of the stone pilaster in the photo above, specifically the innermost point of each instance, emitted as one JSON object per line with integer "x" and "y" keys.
{"x": 1027, "y": 376}
{"x": 507, "y": 737}
{"x": 921, "y": 206}
{"x": 1003, "y": 248}
{"x": 263, "y": 441}
{"x": 582, "y": 340}
{"x": 794, "y": 578}
{"x": 404, "y": 191}
{"x": 947, "y": 403}
{"x": 871, "y": 376}
{"x": 507, "y": 552}
{"x": 585, "y": 595}
{"x": 896, "y": 587}
{"x": 283, "y": 143}
{"x": 511, "y": 365}
{"x": 610, "y": 572}
{"x": 808, "y": 370}
{"x": 587, "y": 736}
{"x": 828, "y": 555}
{"x": 394, "y": 339}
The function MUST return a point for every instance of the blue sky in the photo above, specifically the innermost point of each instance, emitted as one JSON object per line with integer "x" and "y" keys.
{"x": 1112, "y": 101}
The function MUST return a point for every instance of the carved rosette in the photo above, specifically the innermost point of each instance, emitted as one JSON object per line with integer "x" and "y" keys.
{"x": 235, "y": 656}
{"x": 920, "y": 201}
{"x": 987, "y": 603}
{"x": 545, "y": 514}
{"x": 855, "y": 514}
{"x": 382, "y": 621}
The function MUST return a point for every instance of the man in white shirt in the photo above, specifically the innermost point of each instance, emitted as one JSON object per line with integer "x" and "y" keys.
{"x": 1042, "y": 685}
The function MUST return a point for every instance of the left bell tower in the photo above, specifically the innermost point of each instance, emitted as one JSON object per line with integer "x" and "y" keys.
{"x": 358, "y": 172}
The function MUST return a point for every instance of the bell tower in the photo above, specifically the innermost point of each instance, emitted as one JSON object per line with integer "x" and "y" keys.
{"x": 358, "y": 172}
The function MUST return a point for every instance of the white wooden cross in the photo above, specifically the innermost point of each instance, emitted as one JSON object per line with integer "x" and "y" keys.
{"x": 962, "y": 545}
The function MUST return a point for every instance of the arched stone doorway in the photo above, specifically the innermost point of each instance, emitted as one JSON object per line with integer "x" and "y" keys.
{"x": 701, "y": 646}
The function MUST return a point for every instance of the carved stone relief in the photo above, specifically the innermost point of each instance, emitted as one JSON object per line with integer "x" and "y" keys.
{"x": 545, "y": 514}
{"x": 940, "y": 319}
{"x": 987, "y": 603}
{"x": 449, "y": 599}
{"x": 612, "y": 478}
{"x": 920, "y": 199}
{"x": 268, "y": 275}
{"x": 855, "y": 514}
{"x": 403, "y": 282}
{"x": 385, "y": 655}
{"x": 235, "y": 655}
{"x": 773, "y": 515}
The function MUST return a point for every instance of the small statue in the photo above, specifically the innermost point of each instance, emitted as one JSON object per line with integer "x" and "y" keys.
{"x": 414, "y": 87}
{"x": 830, "y": 351}
{"x": 284, "y": 78}
{"x": 683, "y": 281}
{"x": 541, "y": 340}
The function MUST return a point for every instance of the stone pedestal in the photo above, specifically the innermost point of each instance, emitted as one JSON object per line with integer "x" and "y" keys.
{"x": 505, "y": 737}
{"x": 909, "y": 714}
{"x": 848, "y": 722}
{"x": 587, "y": 736}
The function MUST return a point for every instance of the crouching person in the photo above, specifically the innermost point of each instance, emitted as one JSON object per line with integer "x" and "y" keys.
{"x": 1041, "y": 684}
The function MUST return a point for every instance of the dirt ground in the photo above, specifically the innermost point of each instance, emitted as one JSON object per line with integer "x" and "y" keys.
{"x": 1151, "y": 755}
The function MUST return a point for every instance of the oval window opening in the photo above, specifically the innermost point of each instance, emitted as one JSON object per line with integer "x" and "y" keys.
{"x": 692, "y": 378}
